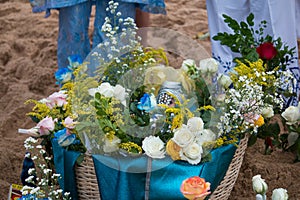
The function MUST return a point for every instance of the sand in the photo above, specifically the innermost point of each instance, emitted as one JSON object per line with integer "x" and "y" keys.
{"x": 27, "y": 65}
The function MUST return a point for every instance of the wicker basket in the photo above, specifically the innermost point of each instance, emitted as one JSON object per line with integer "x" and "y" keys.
{"x": 87, "y": 185}
{"x": 222, "y": 192}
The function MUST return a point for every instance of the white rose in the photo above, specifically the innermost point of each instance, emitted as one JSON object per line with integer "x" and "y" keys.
{"x": 93, "y": 91}
{"x": 291, "y": 115}
{"x": 259, "y": 185}
{"x": 111, "y": 145}
{"x": 224, "y": 80}
{"x": 208, "y": 65}
{"x": 192, "y": 153}
{"x": 106, "y": 89}
{"x": 183, "y": 136}
{"x": 120, "y": 94}
{"x": 188, "y": 63}
{"x": 267, "y": 112}
{"x": 280, "y": 194}
{"x": 195, "y": 124}
{"x": 153, "y": 147}
{"x": 207, "y": 135}
{"x": 292, "y": 138}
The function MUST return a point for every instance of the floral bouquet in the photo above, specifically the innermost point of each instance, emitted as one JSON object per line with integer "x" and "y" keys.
{"x": 124, "y": 100}
{"x": 252, "y": 44}
{"x": 266, "y": 62}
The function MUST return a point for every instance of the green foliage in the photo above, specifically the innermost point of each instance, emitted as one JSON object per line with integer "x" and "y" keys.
{"x": 245, "y": 39}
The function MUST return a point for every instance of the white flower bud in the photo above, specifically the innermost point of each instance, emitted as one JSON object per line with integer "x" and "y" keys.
{"x": 291, "y": 115}
{"x": 259, "y": 185}
{"x": 208, "y": 65}
{"x": 224, "y": 80}
{"x": 188, "y": 63}
{"x": 267, "y": 112}
{"x": 280, "y": 194}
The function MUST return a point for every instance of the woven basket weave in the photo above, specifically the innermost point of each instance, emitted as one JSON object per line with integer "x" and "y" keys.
{"x": 87, "y": 186}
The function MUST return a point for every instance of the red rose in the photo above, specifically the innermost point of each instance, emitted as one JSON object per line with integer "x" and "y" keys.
{"x": 266, "y": 51}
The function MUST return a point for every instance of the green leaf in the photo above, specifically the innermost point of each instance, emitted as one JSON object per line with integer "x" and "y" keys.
{"x": 252, "y": 139}
{"x": 250, "y": 19}
{"x": 233, "y": 24}
{"x": 270, "y": 130}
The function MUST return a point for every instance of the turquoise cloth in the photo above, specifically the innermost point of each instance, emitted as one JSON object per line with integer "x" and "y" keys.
{"x": 64, "y": 162}
{"x": 165, "y": 182}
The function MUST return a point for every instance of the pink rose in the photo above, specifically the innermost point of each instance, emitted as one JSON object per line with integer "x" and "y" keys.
{"x": 57, "y": 99}
{"x": 45, "y": 126}
{"x": 195, "y": 188}
{"x": 266, "y": 51}
{"x": 69, "y": 123}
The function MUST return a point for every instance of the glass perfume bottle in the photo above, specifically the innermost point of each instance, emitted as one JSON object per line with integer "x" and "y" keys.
{"x": 168, "y": 92}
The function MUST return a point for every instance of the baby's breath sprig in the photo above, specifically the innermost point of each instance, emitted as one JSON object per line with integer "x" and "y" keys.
{"x": 42, "y": 176}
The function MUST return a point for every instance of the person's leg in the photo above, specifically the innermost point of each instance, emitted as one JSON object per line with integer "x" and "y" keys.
{"x": 237, "y": 10}
{"x": 73, "y": 36}
{"x": 142, "y": 18}
{"x": 126, "y": 9}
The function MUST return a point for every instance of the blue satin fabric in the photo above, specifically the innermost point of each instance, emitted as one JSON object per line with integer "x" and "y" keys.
{"x": 64, "y": 162}
{"x": 165, "y": 180}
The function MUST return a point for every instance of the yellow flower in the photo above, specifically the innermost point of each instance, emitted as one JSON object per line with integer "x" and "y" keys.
{"x": 260, "y": 121}
{"x": 131, "y": 147}
{"x": 255, "y": 71}
{"x": 207, "y": 107}
{"x": 173, "y": 150}
{"x": 110, "y": 135}
{"x": 219, "y": 142}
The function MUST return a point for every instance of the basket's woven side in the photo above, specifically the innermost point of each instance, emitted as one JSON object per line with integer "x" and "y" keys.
{"x": 222, "y": 192}
{"x": 86, "y": 180}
